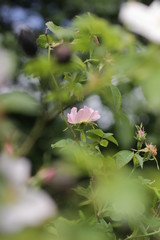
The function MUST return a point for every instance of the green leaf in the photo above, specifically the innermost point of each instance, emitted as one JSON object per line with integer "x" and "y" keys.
{"x": 84, "y": 192}
{"x": 104, "y": 143}
{"x": 100, "y": 133}
{"x": 117, "y": 98}
{"x": 109, "y": 137}
{"x": 107, "y": 228}
{"x": 62, "y": 143}
{"x": 42, "y": 41}
{"x": 97, "y": 132}
{"x": 39, "y": 66}
{"x": 19, "y": 102}
{"x": 60, "y": 32}
{"x": 123, "y": 125}
{"x": 138, "y": 159}
{"x": 93, "y": 137}
{"x": 123, "y": 157}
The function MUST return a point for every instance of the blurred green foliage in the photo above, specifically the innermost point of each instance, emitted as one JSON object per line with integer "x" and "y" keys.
{"x": 105, "y": 60}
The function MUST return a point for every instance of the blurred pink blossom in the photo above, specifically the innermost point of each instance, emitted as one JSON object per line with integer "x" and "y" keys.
{"x": 46, "y": 174}
{"x": 8, "y": 148}
{"x": 84, "y": 115}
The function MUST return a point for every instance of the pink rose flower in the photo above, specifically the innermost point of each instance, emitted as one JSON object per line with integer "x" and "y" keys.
{"x": 84, "y": 115}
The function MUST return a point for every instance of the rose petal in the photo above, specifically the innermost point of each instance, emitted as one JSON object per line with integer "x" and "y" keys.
{"x": 95, "y": 116}
{"x": 72, "y": 116}
{"x": 84, "y": 115}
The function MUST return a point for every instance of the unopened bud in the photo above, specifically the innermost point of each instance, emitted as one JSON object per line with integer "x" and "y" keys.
{"x": 151, "y": 149}
{"x": 8, "y": 148}
{"x": 45, "y": 175}
{"x": 141, "y": 135}
{"x": 63, "y": 53}
{"x": 27, "y": 40}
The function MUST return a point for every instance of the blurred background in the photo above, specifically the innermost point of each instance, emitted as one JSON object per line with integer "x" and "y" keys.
{"x": 21, "y": 99}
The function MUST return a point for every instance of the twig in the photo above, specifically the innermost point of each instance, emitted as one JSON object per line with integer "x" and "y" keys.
{"x": 46, "y": 34}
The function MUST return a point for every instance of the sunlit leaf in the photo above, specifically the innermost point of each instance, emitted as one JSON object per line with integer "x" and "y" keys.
{"x": 60, "y": 32}
{"x": 103, "y": 143}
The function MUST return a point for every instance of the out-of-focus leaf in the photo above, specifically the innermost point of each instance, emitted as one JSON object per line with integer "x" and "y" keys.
{"x": 39, "y": 67}
{"x": 106, "y": 228}
{"x": 112, "y": 37}
{"x": 19, "y": 102}
{"x": 84, "y": 192}
{"x": 116, "y": 97}
{"x": 62, "y": 143}
{"x": 123, "y": 157}
{"x": 60, "y": 32}
{"x": 122, "y": 125}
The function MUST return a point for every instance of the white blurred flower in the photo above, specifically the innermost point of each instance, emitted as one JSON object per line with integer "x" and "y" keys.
{"x": 142, "y": 19}
{"x": 30, "y": 209}
{"x": 25, "y": 206}
{"x": 7, "y": 67}
{"x": 16, "y": 171}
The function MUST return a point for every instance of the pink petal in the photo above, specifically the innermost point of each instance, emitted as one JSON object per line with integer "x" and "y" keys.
{"x": 80, "y": 116}
{"x": 72, "y": 115}
{"x": 70, "y": 118}
{"x": 87, "y": 113}
{"x": 94, "y": 116}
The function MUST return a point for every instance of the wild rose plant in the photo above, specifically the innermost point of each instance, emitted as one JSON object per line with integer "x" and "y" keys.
{"x": 99, "y": 189}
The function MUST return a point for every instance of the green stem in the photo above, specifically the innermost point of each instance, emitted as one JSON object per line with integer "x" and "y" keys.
{"x": 144, "y": 235}
{"x": 49, "y": 52}
{"x": 93, "y": 200}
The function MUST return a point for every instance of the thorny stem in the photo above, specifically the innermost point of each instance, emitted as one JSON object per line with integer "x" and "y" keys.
{"x": 46, "y": 34}
{"x": 145, "y": 235}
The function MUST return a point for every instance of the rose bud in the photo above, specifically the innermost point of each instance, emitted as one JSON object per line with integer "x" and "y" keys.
{"x": 27, "y": 40}
{"x": 63, "y": 53}
{"x": 45, "y": 175}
